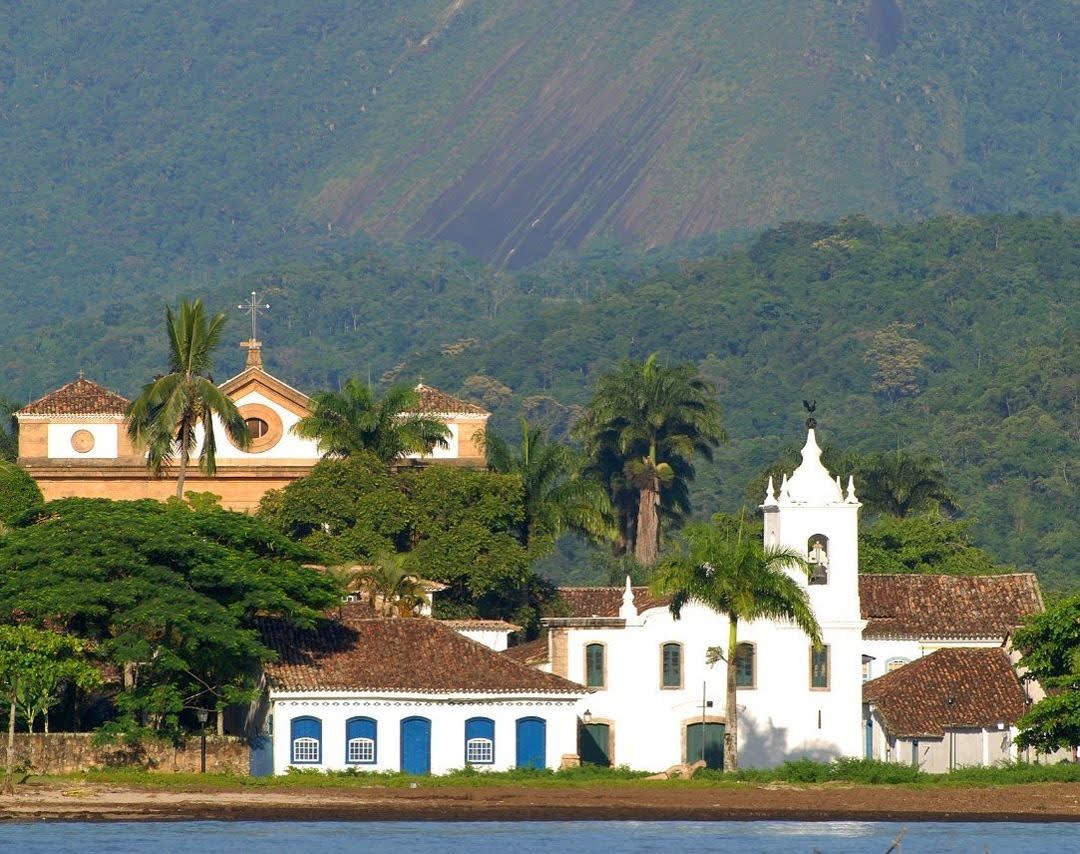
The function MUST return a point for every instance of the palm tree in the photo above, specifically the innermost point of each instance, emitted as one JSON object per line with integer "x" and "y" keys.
{"x": 165, "y": 415}
{"x": 557, "y": 496}
{"x": 899, "y": 484}
{"x": 392, "y": 591}
{"x": 734, "y": 574}
{"x": 645, "y": 424}
{"x": 352, "y": 420}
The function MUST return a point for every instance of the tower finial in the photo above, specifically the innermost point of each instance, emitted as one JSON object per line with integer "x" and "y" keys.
{"x": 253, "y": 345}
{"x": 628, "y": 611}
{"x": 810, "y": 406}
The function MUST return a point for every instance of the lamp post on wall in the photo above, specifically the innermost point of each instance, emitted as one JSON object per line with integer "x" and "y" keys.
{"x": 202, "y": 715}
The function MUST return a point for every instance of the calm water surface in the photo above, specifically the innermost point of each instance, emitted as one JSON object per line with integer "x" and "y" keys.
{"x": 609, "y": 837}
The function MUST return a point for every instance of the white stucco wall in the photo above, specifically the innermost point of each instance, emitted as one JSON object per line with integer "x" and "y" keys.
{"x": 289, "y": 446}
{"x": 106, "y": 439}
{"x": 452, "y": 450}
{"x": 495, "y": 639}
{"x": 780, "y": 718}
{"x": 447, "y": 716}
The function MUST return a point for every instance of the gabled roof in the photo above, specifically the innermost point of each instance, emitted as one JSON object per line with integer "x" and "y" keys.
{"x": 416, "y": 655}
{"x": 947, "y": 606}
{"x": 435, "y": 402}
{"x": 254, "y": 377}
{"x": 956, "y": 687}
{"x": 584, "y": 602}
{"x": 81, "y": 397}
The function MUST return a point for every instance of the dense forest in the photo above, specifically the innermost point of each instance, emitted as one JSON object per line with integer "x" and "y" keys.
{"x": 152, "y": 148}
{"x": 954, "y": 337}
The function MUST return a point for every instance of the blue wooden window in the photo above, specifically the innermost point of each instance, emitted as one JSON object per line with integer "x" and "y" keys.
{"x": 361, "y": 735}
{"x": 594, "y": 665}
{"x": 671, "y": 654}
{"x": 306, "y": 736}
{"x": 745, "y": 671}
{"x": 479, "y": 741}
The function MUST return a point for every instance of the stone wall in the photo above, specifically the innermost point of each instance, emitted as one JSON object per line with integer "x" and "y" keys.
{"x": 68, "y": 752}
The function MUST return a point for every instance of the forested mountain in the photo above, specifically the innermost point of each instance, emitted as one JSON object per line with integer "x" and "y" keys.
{"x": 149, "y": 147}
{"x": 955, "y": 337}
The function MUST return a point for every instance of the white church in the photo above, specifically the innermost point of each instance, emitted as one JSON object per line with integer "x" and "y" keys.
{"x": 913, "y": 668}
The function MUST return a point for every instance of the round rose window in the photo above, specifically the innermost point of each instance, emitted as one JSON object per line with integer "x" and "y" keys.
{"x": 82, "y": 441}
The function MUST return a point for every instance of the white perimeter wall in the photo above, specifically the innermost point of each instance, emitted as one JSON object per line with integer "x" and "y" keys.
{"x": 447, "y": 728}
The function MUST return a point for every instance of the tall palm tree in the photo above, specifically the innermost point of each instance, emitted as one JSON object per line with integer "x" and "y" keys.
{"x": 557, "y": 496}
{"x": 644, "y": 426}
{"x": 165, "y": 415}
{"x": 734, "y": 574}
{"x": 352, "y": 420}
{"x": 899, "y": 484}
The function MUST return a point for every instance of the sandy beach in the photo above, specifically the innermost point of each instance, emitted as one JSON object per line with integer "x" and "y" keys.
{"x": 60, "y": 800}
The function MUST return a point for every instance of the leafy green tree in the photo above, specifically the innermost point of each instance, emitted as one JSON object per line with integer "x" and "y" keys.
{"x": 899, "y": 361}
{"x": 734, "y": 574}
{"x": 9, "y": 440}
{"x": 1049, "y": 644}
{"x": 557, "y": 497}
{"x": 37, "y": 661}
{"x": 168, "y": 594}
{"x": 644, "y": 426}
{"x": 898, "y": 484}
{"x": 165, "y": 415}
{"x": 927, "y": 543}
{"x": 18, "y": 492}
{"x": 352, "y": 420}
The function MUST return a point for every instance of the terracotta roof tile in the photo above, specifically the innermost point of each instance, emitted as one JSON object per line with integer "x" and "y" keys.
{"x": 914, "y": 700}
{"x": 482, "y": 625}
{"x": 81, "y": 397}
{"x": 435, "y": 402}
{"x": 605, "y": 601}
{"x": 947, "y": 606}
{"x": 404, "y": 655}
{"x": 531, "y": 652}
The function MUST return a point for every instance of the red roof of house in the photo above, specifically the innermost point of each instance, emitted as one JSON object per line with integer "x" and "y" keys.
{"x": 530, "y": 652}
{"x": 401, "y": 655}
{"x": 947, "y": 606}
{"x": 81, "y": 397}
{"x": 435, "y": 402}
{"x": 959, "y": 687}
{"x": 583, "y": 602}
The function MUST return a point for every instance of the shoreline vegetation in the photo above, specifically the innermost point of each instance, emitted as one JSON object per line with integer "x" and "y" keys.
{"x": 797, "y": 791}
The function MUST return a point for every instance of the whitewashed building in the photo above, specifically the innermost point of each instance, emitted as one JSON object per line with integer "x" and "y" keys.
{"x": 408, "y": 695}
{"x": 654, "y": 702}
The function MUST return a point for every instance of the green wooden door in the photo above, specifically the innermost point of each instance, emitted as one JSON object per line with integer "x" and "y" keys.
{"x": 712, "y": 750}
{"x": 595, "y": 744}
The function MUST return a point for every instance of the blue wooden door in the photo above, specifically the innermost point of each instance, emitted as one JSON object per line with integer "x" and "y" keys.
{"x": 531, "y": 743}
{"x": 262, "y": 755}
{"x": 416, "y": 746}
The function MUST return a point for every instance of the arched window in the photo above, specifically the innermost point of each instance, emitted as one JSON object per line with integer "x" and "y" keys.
{"x": 594, "y": 666}
{"x": 671, "y": 665}
{"x": 817, "y": 556}
{"x": 745, "y": 665}
{"x": 361, "y": 736}
{"x": 479, "y": 741}
{"x": 306, "y": 737}
{"x": 895, "y": 664}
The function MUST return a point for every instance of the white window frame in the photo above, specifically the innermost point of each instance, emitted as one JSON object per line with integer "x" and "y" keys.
{"x": 360, "y": 750}
{"x": 480, "y": 751}
{"x": 306, "y": 750}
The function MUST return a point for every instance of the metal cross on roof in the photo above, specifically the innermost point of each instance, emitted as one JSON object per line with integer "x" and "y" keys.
{"x": 254, "y": 308}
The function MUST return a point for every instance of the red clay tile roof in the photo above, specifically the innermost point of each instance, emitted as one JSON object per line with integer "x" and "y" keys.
{"x": 606, "y": 601}
{"x": 482, "y": 625}
{"x": 402, "y": 655}
{"x": 531, "y": 652}
{"x": 913, "y": 700}
{"x": 81, "y": 397}
{"x": 947, "y": 606}
{"x": 435, "y": 402}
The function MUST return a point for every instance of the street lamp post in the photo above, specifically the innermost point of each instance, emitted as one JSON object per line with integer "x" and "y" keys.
{"x": 202, "y": 715}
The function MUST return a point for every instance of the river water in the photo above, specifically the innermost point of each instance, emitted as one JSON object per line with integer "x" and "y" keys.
{"x": 609, "y": 837}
